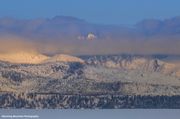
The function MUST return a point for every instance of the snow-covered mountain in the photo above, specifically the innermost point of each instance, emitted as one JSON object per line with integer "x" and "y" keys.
{"x": 65, "y": 81}
{"x": 93, "y": 74}
{"x": 23, "y": 57}
{"x": 27, "y": 57}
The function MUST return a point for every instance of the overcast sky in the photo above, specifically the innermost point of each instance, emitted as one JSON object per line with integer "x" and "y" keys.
{"x": 96, "y": 11}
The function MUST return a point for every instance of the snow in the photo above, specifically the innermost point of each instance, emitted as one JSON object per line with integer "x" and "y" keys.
{"x": 36, "y": 58}
{"x": 23, "y": 57}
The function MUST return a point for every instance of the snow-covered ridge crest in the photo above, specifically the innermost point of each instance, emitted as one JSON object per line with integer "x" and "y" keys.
{"x": 31, "y": 57}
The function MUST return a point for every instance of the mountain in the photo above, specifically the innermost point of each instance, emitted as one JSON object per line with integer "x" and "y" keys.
{"x": 70, "y": 35}
{"x": 27, "y": 57}
{"x": 153, "y": 27}
{"x": 103, "y": 81}
{"x": 60, "y": 27}
{"x": 23, "y": 57}
{"x": 140, "y": 63}
{"x": 97, "y": 74}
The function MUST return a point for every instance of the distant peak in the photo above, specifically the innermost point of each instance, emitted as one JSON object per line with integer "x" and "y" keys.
{"x": 66, "y": 18}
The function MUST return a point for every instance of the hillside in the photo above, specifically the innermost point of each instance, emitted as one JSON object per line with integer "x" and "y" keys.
{"x": 23, "y": 57}
{"x": 110, "y": 74}
{"x": 35, "y": 58}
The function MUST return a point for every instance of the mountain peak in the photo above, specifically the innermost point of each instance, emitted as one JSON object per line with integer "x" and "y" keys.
{"x": 66, "y": 19}
{"x": 23, "y": 57}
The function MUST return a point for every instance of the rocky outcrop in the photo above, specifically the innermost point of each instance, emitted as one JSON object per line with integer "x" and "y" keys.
{"x": 141, "y": 63}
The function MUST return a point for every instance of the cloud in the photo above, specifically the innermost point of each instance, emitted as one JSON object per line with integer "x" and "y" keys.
{"x": 137, "y": 46}
{"x": 60, "y": 35}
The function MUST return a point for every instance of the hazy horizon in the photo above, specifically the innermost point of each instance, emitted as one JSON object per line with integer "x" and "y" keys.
{"x": 90, "y": 27}
{"x": 70, "y": 35}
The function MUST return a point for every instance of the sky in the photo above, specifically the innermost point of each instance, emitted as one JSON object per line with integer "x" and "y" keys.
{"x": 96, "y": 11}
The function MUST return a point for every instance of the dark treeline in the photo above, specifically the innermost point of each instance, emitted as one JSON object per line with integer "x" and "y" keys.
{"x": 78, "y": 101}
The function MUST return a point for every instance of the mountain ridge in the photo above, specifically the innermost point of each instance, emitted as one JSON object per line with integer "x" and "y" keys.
{"x": 27, "y": 57}
{"x": 104, "y": 74}
{"x": 77, "y": 27}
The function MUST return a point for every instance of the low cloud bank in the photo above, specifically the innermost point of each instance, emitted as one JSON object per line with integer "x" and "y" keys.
{"x": 74, "y": 47}
{"x": 60, "y": 35}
